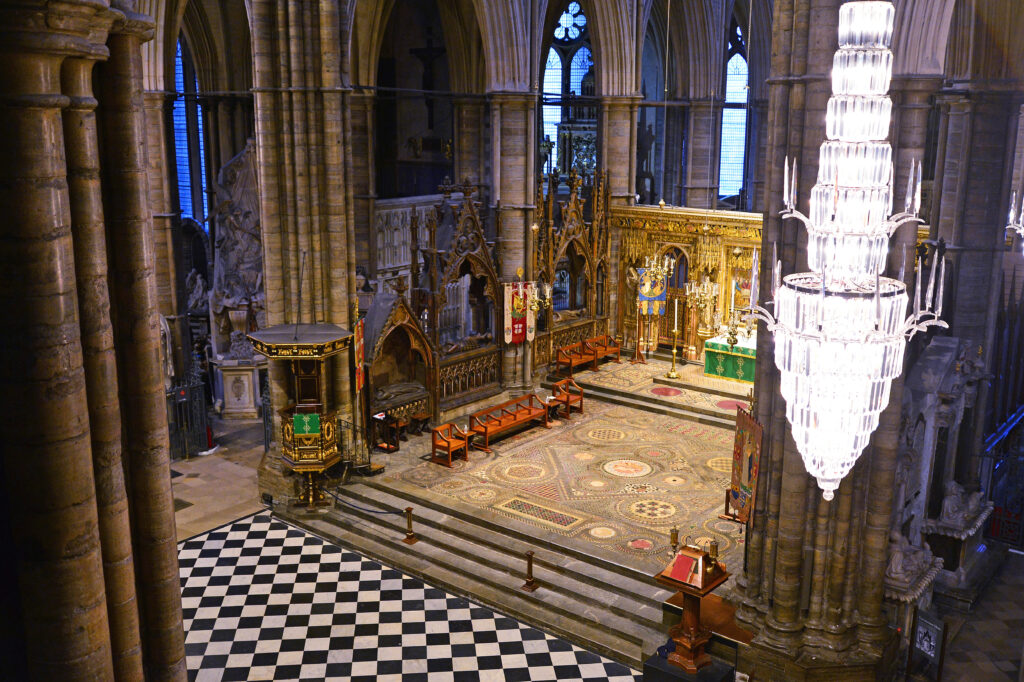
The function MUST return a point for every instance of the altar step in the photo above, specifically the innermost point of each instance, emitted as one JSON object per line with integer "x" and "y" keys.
{"x": 648, "y": 402}
{"x": 595, "y": 603}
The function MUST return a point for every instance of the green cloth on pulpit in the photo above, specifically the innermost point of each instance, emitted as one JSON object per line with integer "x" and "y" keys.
{"x": 306, "y": 424}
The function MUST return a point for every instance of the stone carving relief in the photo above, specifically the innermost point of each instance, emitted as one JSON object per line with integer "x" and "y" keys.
{"x": 238, "y": 254}
{"x": 197, "y": 292}
{"x": 166, "y": 352}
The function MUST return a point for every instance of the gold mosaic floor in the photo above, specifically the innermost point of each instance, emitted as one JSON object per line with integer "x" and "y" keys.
{"x": 617, "y": 478}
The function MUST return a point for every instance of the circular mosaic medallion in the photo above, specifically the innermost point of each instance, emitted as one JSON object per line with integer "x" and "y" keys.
{"x": 674, "y": 480}
{"x": 725, "y": 526}
{"x": 480, "y": 495}
{"x": 597, "y": 484}
{"x": 731, "y": 405}
{"x": 723, "y": 464}
{"x": 627, "y": 468}
{"x": 606, "y": 434}
{"x": 665, "y": 390}
{"x": 652, "y": 509}
{"x": 602, "y": 532}
{"x": 640, "y": 544}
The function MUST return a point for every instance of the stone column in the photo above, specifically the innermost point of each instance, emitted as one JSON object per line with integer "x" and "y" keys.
{"x": 137, "y": 339}
{"x": 303, "y": 132}
{"x": 705, "y": 122}
{"x": 512, "y": 124}
{"x": 89, "y": 234}
{"x": 47, "y": 466}
{"x": 469, "y": 115}
{"x": 364, "y": 178}
{"x": 618, "y": 144}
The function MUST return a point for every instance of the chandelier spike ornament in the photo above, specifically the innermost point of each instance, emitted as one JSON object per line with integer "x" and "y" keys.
{"x": 841, "y": 329}
{"x": 1015, "y": 221}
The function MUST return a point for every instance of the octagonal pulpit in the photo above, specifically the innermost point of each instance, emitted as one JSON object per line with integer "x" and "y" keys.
{"x": 309, "y": 444}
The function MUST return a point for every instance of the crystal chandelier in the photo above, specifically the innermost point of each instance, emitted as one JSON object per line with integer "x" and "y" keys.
{"x": 841, "y": 329}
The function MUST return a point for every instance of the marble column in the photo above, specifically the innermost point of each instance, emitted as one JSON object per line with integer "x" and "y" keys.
{"x": 55, "y": 553}
{"x": 137, "y": 339}
{"x": 100, "y": 361}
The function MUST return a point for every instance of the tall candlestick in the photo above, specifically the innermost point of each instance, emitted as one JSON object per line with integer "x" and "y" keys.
{"x": 675, "y": 323}
{"x": 732, "y": 302}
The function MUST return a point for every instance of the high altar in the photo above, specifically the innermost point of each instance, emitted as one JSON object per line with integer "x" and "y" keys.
{"x": 716, "y": 247}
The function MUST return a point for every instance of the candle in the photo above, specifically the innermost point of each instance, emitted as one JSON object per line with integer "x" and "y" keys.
{"x": 675, "y": 325}
{"x": 732, "y": 303}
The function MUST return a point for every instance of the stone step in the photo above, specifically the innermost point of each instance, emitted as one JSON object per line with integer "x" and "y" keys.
{"x": 570, "y": 611}
{"x": 644, "y": 597}
{"x": 650, "y": 403}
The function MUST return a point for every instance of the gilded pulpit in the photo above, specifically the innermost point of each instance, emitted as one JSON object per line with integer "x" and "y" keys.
{"x": 309, "y": 444}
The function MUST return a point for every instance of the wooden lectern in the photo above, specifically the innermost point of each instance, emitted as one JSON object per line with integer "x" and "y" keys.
{"x": 694, "y": 573}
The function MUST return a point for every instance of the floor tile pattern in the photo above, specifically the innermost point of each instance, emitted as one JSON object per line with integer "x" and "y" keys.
{"x": 265, "y": 601}
{"x": 989, "y": 645}
{"x": 616, "y": 478}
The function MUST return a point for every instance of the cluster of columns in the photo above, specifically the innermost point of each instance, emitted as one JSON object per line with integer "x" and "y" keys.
{"x": 92, "y": 552}
{"x": 304, "y": 123}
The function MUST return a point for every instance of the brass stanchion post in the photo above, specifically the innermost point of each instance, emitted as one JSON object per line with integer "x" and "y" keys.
{"x": 530, "y": 585}
{"x": 410, "y": 537}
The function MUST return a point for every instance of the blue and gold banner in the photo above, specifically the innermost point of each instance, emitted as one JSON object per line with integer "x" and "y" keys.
{"x": 652, "y": 292}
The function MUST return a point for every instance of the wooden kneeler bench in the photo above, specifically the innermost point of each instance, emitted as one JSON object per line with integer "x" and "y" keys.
{"x": 573, "y": 356}
{"x": 506, "y": 416}
{"x": 449, "y": 439}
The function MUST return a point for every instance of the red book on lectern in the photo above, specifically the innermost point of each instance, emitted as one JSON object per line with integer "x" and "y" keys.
{"x": 681, "y": 568}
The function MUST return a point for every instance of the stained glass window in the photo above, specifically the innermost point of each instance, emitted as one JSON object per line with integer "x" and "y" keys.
{"x": 189, "y": 152}
{"x": 734, "y": 119}
{"x": 571, "y": 23}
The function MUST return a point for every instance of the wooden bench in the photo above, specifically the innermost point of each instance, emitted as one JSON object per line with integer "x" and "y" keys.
{"x": 508, "y": 415}
{"x": 573, "y": 356}
{"x": 567, "y": 394}
{"x": 449, "y": 439}
{"x": 604, "y": 346}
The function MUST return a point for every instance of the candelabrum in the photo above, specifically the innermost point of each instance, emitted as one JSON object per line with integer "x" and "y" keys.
{"x": 672, "y": 373}
{"x": 540, "y": 297}
{"x": 703, "y": 298}
{"x": 841, "y": 329}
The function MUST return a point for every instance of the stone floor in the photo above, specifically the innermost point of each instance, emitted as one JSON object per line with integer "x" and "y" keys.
{"x": 215, "y": 489}
{"x": 989, "y": 643}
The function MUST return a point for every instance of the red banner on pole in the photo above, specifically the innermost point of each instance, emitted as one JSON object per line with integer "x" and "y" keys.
{"x": 518, "y": 315}
{"x": 358, "y": 356}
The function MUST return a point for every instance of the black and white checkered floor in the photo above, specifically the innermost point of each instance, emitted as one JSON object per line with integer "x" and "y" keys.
{"x": 265, "y": 601}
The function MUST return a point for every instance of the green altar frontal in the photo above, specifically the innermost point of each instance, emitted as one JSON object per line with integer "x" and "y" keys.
{"x": 735, "y": 363}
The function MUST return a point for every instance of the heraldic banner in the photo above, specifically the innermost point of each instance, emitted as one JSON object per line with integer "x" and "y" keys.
{"x": 520, "y": 321}
{"x": 652, "y": 292}
{"x": 746, "y": 454}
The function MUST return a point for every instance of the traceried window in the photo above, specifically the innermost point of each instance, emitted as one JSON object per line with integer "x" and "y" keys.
{"x": 189, "y": 154}
{"x": 734, "y": 117}
{"x": 569, "y": 116}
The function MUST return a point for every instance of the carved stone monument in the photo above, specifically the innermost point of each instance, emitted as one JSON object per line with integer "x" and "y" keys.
{"x": 236, "y": 295}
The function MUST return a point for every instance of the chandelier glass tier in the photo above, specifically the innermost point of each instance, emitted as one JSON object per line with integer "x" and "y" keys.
{"x": 841, "y": 329}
